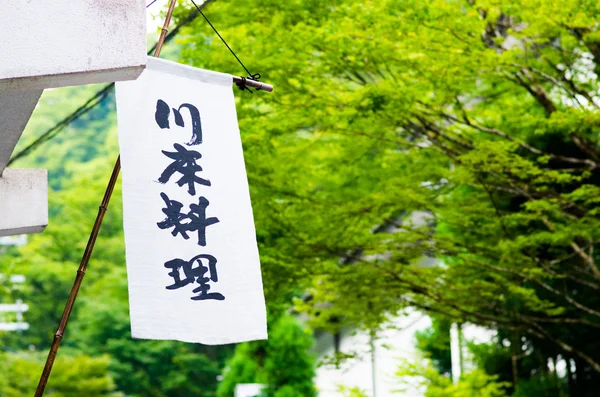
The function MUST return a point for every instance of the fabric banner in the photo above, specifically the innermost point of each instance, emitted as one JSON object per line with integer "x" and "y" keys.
{"x": 192, "y": 258}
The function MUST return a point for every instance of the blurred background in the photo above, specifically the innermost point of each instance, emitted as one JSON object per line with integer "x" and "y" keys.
{"x": 425, "y": 183}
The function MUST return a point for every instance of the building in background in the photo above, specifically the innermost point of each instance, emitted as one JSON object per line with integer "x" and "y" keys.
{"x": 373, "y": 371}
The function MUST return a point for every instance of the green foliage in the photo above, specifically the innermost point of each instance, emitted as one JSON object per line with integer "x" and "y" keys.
{"x": 474, "y": 384}
{"x": 481, "y": 114}
{"x": 495, "y": 358}
{"x": 352, "y": 392}
{"x": 283, "y": 363}
{"x": 289, "y": 367}
{"x": 73, "y": 376}
{"x": 542, "y": 386}
{"x": 246, "y": 366}
{"x": 479, "y": 117}
{"x": 434, "y": 342}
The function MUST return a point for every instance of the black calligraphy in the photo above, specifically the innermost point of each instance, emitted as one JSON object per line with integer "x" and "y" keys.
{"x": 162, "y": 119}
{"x": 182, "y": 222}
{"x": 195, "y": 271}
{"x": 194, "y": 221}
{"x": 185, "y": 164}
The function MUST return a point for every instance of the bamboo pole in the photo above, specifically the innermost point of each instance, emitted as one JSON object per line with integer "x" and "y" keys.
{"x": 253, "y": 83}
{"x": 58, "y": 336}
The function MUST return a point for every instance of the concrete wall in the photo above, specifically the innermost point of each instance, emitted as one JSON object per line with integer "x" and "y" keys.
{"x": 23, "y": 201}
{"x": 52, "y": 43}
{"x": 15, "y": 111}
{"x": 23, "y": 193}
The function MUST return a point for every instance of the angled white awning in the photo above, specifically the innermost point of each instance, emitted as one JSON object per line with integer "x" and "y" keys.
{"x": 50, "y": 44}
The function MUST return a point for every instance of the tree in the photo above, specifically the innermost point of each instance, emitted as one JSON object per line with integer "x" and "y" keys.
{"x": 433, "y": 384}
{"x": 74, "y": 376}
{"x": 434, "y": 343}
{"x": 283, "y": 363}
{"x": 289, "y": 367}
{"x": 246, "y": 366}
{"x": 483, "y": 114}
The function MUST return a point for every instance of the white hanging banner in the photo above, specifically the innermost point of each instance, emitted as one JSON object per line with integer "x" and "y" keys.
{"x": 192, "y": 257}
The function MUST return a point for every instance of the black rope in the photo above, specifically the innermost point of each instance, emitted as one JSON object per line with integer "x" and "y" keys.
{"x": 242, "y": 85}
{"x": 91, "y": 103}
{"x": 101, "y": 95}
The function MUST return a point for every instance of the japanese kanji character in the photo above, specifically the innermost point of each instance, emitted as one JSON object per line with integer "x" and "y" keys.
{"x": 196, "y": 274}
{"x": 174, "y": 217}
{"x": 162, "y": 119}
{"x": 185, "y": 164}
{"x": 194, "y": 221}
{"x": 199, "y": 221}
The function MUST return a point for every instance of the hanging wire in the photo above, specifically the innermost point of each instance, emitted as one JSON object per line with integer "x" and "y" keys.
{"x": 242, "y": 84}
{"x": 91, "y": 103}
{"x": 99, "y": 96}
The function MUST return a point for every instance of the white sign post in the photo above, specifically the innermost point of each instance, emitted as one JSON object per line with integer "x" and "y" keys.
{"x": 19, "y": 308}
{"x": 17, "y": 240}
{"x": 248, "y": 390}
{"x": 192, "y": 257}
